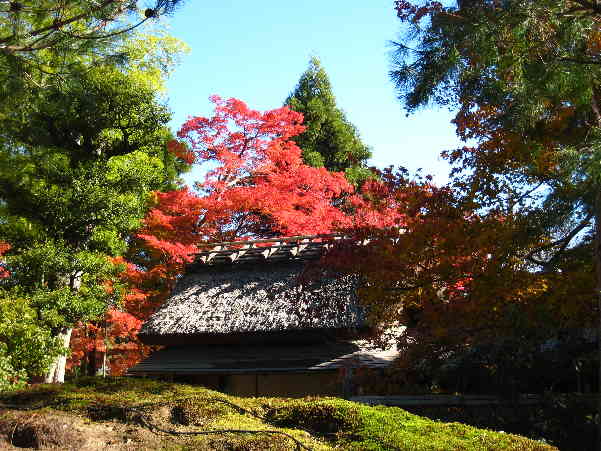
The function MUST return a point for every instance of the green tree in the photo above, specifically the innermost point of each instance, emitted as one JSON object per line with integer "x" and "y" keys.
{"x": 42, "y": 42}
{"x": 77, "y": 169}
{"x": 330, "y": 140}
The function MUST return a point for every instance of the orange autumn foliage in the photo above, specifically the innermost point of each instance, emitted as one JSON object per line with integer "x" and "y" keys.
{"x": 456, "y": 276}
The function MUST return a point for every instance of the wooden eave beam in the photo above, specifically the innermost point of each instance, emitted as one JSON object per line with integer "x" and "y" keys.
{"x": 270, "y": 250}
{"x": 211, "y": 254}
{"x": 301, "y": 246}
{"x": 236, "y": 255}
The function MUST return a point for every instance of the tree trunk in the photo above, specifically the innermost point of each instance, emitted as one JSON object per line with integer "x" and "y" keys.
{"x": 56, "y": 373}
{"x": 597, "y": 258}
{"x": 595, "y": 104}
{"x": 104, "y": 364}
{"x": 91, "y": 356}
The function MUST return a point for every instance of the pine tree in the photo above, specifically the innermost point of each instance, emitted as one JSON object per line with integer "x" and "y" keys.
{"x": 330, "y": 140}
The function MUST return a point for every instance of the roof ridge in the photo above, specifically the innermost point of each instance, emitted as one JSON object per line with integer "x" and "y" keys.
{"x": 297, "y": 247}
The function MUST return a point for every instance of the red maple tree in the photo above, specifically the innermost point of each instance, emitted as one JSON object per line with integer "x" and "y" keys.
{"x": 4, "y": 248}
{"x": 258, "y": 186}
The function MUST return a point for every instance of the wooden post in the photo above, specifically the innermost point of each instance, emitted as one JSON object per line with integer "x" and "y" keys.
{"x": 347, "y": 383}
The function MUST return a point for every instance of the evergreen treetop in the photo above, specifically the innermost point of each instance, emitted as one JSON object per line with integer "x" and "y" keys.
{"x": 330, "y": 140}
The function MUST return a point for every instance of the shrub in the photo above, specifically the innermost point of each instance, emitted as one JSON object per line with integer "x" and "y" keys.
{"x": 27, "y": 347}
{"x": 565, "y": 421}
{"x": 10, "y": 378}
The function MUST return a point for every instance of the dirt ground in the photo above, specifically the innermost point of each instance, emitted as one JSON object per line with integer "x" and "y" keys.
{"x": 58, "y": 430}
{"x": 49, "y": 429}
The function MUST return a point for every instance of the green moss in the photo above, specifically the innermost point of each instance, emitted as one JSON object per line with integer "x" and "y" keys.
{"x": 320, "y": 423}
{"x": 247, "y": 443}
{"x": 322, "y": 417}
{"x": 198, "y": 411}
{"x": 355, "y": 426}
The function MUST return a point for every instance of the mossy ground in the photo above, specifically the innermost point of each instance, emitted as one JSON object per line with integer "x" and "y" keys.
{"x": 119, "y": 411}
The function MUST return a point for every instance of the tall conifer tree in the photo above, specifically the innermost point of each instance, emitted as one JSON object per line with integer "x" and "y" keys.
{"x": 330, "y": 140}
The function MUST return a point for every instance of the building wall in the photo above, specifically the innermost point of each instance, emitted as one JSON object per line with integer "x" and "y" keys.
{"x": 274, "y": 384}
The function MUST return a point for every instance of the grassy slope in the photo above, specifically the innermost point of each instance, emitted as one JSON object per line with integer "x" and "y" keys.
{"x": 318, "y": 423}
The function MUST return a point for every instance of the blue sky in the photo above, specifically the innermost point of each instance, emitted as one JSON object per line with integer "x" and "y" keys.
{"x": 256, "y": 51}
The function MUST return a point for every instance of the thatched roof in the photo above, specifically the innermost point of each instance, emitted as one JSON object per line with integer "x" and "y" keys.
{"x": 252, "y": 298}
{"x": 247, "y": 359}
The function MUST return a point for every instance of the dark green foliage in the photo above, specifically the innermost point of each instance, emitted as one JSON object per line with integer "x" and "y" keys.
{"x": 509, "y": 367}
{"x": 100, "y": 112}
{"x": 478, "y": 52}
{"x": 330, "y": 139}
{"x": 74, "y": 182}
{"x": 79, "y": 148}
{"x": 42, "y": 40}
{"x": 11, "y": 378}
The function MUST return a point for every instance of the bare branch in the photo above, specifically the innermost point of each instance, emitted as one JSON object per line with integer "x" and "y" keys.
{"x": 563, "y": 243}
